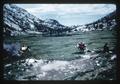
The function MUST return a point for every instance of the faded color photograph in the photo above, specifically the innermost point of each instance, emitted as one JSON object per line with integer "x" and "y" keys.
{"x": 59, "y": 41}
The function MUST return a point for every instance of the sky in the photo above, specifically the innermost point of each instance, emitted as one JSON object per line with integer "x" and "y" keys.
{"x": 69, "y": 14}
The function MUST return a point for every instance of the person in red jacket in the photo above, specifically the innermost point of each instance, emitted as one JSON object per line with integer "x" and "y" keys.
{"x": 81, "y": 46}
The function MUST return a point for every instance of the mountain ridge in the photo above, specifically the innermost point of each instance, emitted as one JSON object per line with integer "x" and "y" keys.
{"x": 107, "y": 22}
{"x": 18, "y": 21}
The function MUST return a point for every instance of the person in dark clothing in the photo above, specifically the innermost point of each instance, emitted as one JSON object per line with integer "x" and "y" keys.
{"x": 106, "y": 48}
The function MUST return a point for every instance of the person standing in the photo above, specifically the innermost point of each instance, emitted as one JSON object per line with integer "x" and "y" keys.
{"x": 106, "y": 48}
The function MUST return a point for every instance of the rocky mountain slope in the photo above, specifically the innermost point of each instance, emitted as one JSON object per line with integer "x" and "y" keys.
{"x": 106, "y": 23}
{"x": 19, "y": 21}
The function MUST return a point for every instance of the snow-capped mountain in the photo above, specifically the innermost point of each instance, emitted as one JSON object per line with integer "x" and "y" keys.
{"x": 106, "y": 23}
{"x": 19, "y": 21}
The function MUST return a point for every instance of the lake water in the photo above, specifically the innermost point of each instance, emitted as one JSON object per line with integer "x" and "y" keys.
{"x": 64, "y": 47}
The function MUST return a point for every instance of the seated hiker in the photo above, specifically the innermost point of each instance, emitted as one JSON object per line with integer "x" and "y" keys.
{"x": 25, "y": 48}
{"x": 106, "y": 48}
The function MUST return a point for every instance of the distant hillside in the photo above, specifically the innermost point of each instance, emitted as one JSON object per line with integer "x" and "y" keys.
{"x": 106, "y": 23}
